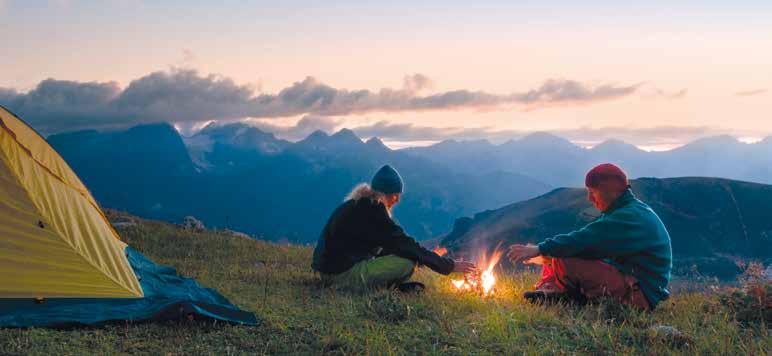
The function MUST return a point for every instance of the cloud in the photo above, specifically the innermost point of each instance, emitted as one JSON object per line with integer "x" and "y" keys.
{"x": 416, "y": 82}
{"x": 570, "y": 91}
{"x": 61, "y": 103}
{"x": 182, "y": 95}
{"x": 751, "y": 92}
{"x": 656, "y": 93}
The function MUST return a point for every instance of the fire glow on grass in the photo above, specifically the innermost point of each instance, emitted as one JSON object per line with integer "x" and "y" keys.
{"x": 484, "y": 280}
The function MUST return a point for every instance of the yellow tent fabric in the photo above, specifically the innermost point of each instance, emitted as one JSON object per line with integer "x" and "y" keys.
{"x": 54, "y": 239}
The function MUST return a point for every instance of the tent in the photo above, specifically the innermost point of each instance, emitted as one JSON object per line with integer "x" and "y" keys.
{"x": 62, "y": 263}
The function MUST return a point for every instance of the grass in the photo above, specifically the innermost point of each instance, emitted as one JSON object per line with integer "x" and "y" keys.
{"x": 300, "y": 317}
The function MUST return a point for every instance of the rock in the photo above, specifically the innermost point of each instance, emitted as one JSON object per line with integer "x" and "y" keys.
{"x": 236, "y": 233}
{"x": 191, "y": 223}
{"x": 669, "y": 335}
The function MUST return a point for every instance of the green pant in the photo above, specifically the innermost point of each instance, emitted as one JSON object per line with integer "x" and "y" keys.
{"x": 373, "y": 273}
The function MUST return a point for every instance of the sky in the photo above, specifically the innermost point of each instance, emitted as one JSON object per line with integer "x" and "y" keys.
{"x": 652, "y": 73}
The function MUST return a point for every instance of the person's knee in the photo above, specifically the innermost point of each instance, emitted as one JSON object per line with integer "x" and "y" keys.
{"x": 402, "y": 266}
{"x": 387, "y": 270}
{"x": 570, "y": 269}
{"x": 570, "y": 263}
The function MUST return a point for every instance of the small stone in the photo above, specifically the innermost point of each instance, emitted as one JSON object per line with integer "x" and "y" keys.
{"x": 236, "y": 233}
{"x": 669, "y": 335}
{"x": 191, "y": 223}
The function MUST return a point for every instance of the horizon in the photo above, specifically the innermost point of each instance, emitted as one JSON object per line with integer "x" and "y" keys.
{"x": 409, "y": 73}
{"x": 398, "y": 145}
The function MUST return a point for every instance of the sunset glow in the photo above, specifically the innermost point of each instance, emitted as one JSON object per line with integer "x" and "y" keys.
{"x": 654, "y": 74}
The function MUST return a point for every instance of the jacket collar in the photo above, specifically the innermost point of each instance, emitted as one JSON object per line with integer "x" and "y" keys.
{"x": 626, "y": 198}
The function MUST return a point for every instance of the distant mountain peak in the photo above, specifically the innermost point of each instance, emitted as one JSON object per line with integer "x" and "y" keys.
{"x": 718, "y": 139}
{"x": 541, "y": 136}
{"x": 316, "y": 138}
{"x": 321, "y": 140}
{"x": 541, "y": 140}
{"x": 160, "y": 128}
{"x": 614, "y": 142}
{"x": 477, "y": 143}
{"x": 317, "y": 134}
{"x": 377, "y": 143}
{"x": 615, "y": 145}
{"x": 347, "y": 135}
{"x": 232, "y": 130}
{"x": 714, "y": 142}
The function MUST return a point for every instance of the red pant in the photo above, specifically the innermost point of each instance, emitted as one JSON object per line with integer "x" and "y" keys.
{"x": 592, "y": 279}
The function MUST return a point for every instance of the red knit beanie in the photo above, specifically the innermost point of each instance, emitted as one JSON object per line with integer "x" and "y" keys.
{"x": 606, "y": 172}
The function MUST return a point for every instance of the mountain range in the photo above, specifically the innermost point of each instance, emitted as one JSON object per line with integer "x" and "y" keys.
{"x": 238, "y": 177}
{"x": 560, "y": 163}
{"x": 712, "y": 222}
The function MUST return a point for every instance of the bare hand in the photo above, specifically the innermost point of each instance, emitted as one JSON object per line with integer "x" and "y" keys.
{"x": 464, "y": 267}
{"x": 519, "y": 253}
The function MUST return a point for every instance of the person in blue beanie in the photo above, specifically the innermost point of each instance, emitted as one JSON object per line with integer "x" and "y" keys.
{"x": 361, "y": 247}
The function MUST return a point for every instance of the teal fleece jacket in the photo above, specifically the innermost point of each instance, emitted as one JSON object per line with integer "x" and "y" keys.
{"x": 630, "y": 236}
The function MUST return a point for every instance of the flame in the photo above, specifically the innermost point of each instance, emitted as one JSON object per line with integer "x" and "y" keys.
{"x": 440, "y": 250}
{"x": 460, "y": 283}
{"x": 486, "y": 279}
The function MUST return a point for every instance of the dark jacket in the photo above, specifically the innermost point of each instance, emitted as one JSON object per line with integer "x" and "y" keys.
{"x": 361, "y": 229}
{"x": 631, "y": 237}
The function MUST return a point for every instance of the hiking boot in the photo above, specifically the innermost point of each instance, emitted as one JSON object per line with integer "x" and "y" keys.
{"x": 411, "y": 287}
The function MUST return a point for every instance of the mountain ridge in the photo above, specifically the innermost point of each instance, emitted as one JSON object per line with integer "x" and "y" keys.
{"x": 709, "y": 219}
{"x": 239, "y": 177}
{"x": 558, "y": 162}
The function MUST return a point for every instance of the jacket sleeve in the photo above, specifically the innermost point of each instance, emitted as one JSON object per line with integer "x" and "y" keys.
{"x": 614, "y": 235}
{"x": 390, "y": 236}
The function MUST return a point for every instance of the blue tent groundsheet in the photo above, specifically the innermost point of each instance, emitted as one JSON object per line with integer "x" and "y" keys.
{"x": 168, "y": 296}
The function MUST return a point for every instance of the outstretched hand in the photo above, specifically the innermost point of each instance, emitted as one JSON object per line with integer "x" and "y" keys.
{"x": 538, "y": 260}
{"x": 464, "y": 267}
{"x": 519, "y": 253}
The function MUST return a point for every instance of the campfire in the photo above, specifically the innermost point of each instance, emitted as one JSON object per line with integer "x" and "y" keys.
{"x": 482, "y": 282}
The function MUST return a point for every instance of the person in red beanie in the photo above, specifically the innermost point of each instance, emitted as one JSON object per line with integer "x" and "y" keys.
{"x": 625, "y": 254}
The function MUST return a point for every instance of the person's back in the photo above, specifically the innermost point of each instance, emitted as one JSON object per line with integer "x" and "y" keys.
{"x": 341, "y": 244}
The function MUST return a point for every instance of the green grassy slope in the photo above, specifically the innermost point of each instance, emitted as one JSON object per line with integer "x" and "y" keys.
{"x": 299, "y": 317}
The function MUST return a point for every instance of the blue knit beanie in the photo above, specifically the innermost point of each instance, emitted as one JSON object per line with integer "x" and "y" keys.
{"x": 387, "y": 181}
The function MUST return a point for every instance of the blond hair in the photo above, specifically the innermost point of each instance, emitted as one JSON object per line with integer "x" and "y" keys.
{"x": 364, "y": 191}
